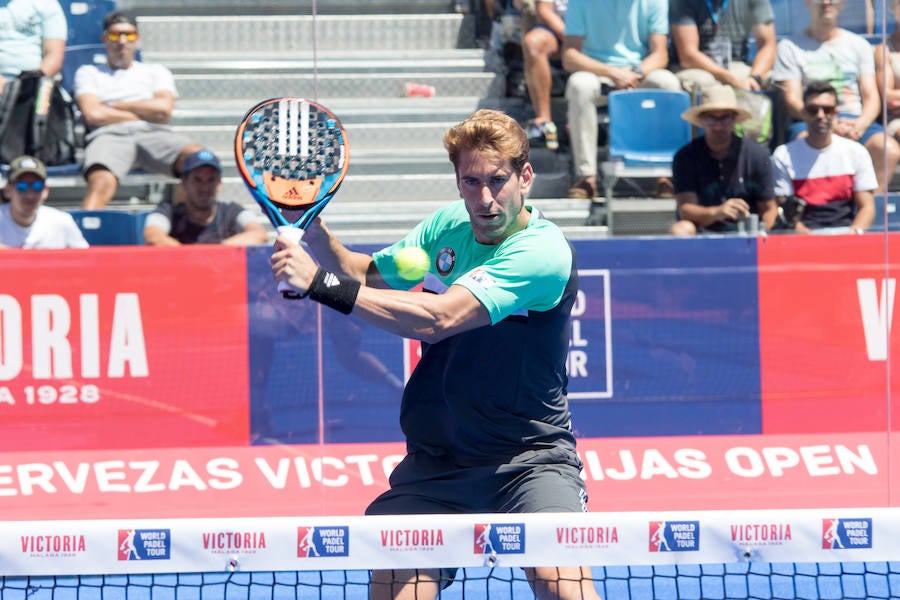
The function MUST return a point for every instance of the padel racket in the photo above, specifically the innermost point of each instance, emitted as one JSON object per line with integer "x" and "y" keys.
{"x": 293, "y": 154}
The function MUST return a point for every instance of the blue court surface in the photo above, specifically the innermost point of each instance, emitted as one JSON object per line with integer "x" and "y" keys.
{"x": 812, "y": 581}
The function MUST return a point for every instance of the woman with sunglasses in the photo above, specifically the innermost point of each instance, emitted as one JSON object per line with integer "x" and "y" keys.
{"x": 25, "y": 222}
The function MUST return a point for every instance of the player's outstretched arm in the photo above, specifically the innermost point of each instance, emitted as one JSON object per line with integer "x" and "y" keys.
{"x": 334, "y": 256}
{"x": 421, "y": 316}
{"x": 416, "y": 315}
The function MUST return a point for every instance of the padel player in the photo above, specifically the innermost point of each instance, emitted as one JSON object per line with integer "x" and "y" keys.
{"x": 485, "y": 412}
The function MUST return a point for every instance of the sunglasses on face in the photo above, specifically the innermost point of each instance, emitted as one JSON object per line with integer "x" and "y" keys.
{"x": 813, "y": 110}
{"x": 720, "y": 119}
{"x": 24, "y": 186}
{"x": 131, "y": 36}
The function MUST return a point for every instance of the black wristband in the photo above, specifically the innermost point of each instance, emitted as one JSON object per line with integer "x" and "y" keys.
{"x": 757, "y": 79}
{"x": 334, "y": 291}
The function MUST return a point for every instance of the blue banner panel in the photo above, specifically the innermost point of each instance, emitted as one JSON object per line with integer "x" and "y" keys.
{"x": 304, "y": 358}
{"x": 666, "y": 338}
{"x": 664, "y": 341}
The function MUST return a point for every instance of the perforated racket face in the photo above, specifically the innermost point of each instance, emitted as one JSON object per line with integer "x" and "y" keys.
{"x": 293, "y": 150}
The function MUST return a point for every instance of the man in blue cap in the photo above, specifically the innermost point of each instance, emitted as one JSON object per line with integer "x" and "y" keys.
{"x": 201, "y": 219}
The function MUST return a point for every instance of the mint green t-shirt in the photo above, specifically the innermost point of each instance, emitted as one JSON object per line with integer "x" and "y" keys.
{"x": 495, "y": 394}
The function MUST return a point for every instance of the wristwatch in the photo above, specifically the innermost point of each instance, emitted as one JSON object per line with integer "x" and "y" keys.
{"x": 858, "y": 230}
{"x": 757, "y": 79}
{"x": 638, "y": 70}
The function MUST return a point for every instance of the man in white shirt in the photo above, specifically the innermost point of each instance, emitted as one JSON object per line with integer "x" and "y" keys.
{"x": 126, "y": 106}
{"x": 24, "y": 221}
{"x": 824, "y": 51}
{"x": 832, "y": 175}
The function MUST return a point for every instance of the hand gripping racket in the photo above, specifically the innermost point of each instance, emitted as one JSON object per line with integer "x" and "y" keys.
{"x": 293, "y": 154}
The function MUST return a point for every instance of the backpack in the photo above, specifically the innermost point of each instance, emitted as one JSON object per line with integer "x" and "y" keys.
{"x": 759, "y": 126}
{"x": 37, "y": 117}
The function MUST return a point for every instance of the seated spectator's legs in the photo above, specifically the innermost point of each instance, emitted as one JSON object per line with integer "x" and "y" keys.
{"x": 683, "y": 228}
{"x": 885, "y": 153}
{"x": 114, "y": 150}
{"x": 661, "y": 79}
{"x": 893, "y": 129}
{"x": 696, "y": 80}
{"x": 108, "y": 156}
{"x": 539, "y": 45}
{"x": 101, "y": 187}
{"x": 583, "y": 96}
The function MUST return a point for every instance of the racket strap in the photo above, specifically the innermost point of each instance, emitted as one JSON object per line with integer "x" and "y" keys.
{"x": 334, "y": 291}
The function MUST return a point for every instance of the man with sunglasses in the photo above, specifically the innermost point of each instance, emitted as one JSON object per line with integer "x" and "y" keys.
{"x": 824, "y": 51}
{"x": 720, "y": 179}
{"x": 126, "y": 105}
{"x": 25, "y": 222}
{"x": 832, "y": 175}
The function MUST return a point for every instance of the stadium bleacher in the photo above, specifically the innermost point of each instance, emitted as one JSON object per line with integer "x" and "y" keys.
{"x": 225, "y": 58}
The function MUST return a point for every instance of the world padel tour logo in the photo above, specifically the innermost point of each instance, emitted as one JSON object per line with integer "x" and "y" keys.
{"x": 313, "y": 542}
{"x": 842, "y": 534}
{"x": 499, "y": 538}
{"x": 144, "y": 544}
{"x": 674, "y": 536}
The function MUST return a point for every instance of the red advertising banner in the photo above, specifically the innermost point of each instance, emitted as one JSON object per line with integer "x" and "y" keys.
{"x": 622, "y": 474}
{"x": 122, "y": 348}
{"x": 825, "y": 333}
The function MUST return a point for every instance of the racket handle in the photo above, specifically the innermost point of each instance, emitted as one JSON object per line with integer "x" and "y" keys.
{"x": 295, "y": 234}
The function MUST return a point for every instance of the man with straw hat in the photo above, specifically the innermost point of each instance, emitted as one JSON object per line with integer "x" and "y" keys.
{"x": 721, "y": 179}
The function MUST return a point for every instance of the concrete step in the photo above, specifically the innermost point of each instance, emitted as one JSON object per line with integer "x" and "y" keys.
{"x": 355, "y": 222}
{"x": 375, "y": 86}
{"x": 225, "y": 63}
{"x": 362, "y": 136}
{"x": 286, "y": 7}
{"x": 287, "y": 35}
{"x": 214, "y": 111}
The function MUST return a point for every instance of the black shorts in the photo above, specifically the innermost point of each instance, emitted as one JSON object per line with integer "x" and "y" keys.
{"x": 425, "y": 484}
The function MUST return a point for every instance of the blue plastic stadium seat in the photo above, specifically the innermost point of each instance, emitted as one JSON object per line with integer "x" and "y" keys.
{"x": 140, "y": 218}
{"x": 76, "y": 56}
{"x": 108, "y": 227}
{"x": 645, "y": 126}
{"x": 645, "y": 132}
{"x": 85, "y": 19}
{"x": 893, "y": 212}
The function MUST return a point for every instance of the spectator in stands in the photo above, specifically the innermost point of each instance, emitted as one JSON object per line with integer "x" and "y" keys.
{"x": 712, "y": 41}
{"x": 887, "y": 74}
{"x": 831, "y": 174}
{"x": 32, "y": 38}
{"x": 200, "y": 218}
{"x": 541, "y": 44}
{"x": 609, "y": 46}
{"x": 720, "y": 178}
{"x": 827, "y": 52}
{"x": 25, "y": 222}
{"x": 126, "y": 106}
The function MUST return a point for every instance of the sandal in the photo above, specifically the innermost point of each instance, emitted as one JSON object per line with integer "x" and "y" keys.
{"x": 583, "y": 190}
{"x": 665, "y": 188}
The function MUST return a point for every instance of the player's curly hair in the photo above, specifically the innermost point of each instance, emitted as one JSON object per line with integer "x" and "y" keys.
{"x": 489, "y": 131}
